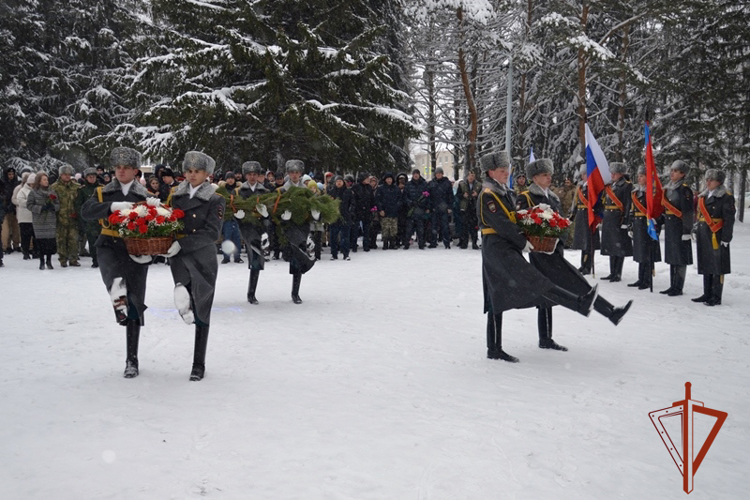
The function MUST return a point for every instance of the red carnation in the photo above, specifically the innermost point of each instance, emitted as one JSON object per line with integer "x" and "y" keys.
{"x": 142, "y": 229}
{"x": 178, "y": 214}
{"x": 52, "y": 197}
{"x": 115, "y": 218}
{"x": 132, "y": 216}
{"x": 131, "y": 226}
{"x": 150, "y": 216}
{"x": 160, "y": 220}
{"x": 553, "y": 223}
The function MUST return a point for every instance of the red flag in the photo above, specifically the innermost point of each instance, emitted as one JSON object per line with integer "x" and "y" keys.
{"x": 655, "y": 193}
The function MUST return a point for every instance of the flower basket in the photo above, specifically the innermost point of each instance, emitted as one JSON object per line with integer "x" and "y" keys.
{"x": 148, "y": 246}
{"x": 542, "y": 243}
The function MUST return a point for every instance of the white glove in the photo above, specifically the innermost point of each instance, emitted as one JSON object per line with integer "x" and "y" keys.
{"x": 529, "y": 247}
{"x": 630, "y": 234}
{"x": 173, "y": 249}
{"x": 153, "y": 201}
{"x": 120, "y": 205}
{"x": 286, "y": 215}
{"x": 262, "y": 210}
{"x": 725, "y": 244}
{"x": 239, "y": 214}
{"x": 142, "y": 259}
{"x": 624, "y": 226}
{"x": 685, "y": 237}
{"x": 315, "y": 214}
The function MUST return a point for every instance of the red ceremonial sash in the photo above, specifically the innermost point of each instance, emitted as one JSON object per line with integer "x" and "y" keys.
{"x": 615, "y": 199}
{"x": 638, "y": 203}
{"x": 713, "y": 224}
{"x": 670, "y": 207}
{"x": 582, "y": 197}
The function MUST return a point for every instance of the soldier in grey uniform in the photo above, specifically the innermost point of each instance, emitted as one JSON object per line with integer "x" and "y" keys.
{"x": 192, "y": 256}
{"x": 646, "y": 250}
{"x": 714, "y": 230}
{"x": 253, "y": 233}
{"x": 582, "y": 232}
{"x": 124, "y": 275}
{"x": 554, "y": 265}
{"x": 509, "y": 281}
{"x": 678, "y": 224}
{"x": 615, "y": 240}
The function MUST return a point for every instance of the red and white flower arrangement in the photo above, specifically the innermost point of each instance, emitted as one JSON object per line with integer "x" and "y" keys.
{"x": 541, "y": 221}
{"x": 147, "y": 221}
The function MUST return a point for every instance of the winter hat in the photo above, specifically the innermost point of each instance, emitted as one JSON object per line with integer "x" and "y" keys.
{"x": 389, "y": 174}
{"x": 401, "y": 176}
{"x": 251, "y": 167}
{"x": 198, "y": 161}
{"x": 295, "y": 166}
{"x": 167, "y": 171}
{"x": 327, "y": 175}
{"x": 89, "y": 171}
{"x": 349, "y": 178}
{"x": 494, "y": 161}
{"x": 337, "y": 178}
{"x": 439, "y": 170}
{"x": 66, "y": 169}
{"x": 279, "y": 174}
{"x": 306, "y": 178}
{"x": 24, "y": 177}
{"x": 714, "y": 174}
{"x": 125, "y": 156}
{"x": 77, "y": 176}
{"x": 229, "y": 175}
{"x": 680, "y": 166}
{"x": 312, "y": 184}
{"x": 31, "y": 179}
{"x": 583, "y": 170}
{"x": 416, "y": 171}
{"x": 642, "y": 170}
{"x": 362, "y": 176}
{"x": 540, "y": 166}
{"x": 617, "y": 167}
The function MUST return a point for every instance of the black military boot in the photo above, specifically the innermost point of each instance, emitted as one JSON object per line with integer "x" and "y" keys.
{"x": 296, "y": 280}
{"x": 609, "y": 311}
{"x": 648, "y": 277}
{"x": 639, "y": 283}
{"x": 544, "y": 321}
{"x": 618, "y": 263}
{"x": 199, "y": 353}
{"x": 49, "y": 262}
{"x": 679, "y": 281}
{"x": 612, "y": 267}
{"x": 495, "y": 339}
{"x": 717, "y": 286}
{"x": 585, "y": 263}
{"x": 41, "y": 262}
{"x": 254, "y": 275}
{"x": 671, "y": 281}
{"x": 582, "y": 304}
{"x": 132, "y": 335}
{"x": 707, "y": 289}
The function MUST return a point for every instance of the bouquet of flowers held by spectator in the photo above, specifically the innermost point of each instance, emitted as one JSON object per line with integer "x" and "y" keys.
{"x": 542, "y": 226}
{"x": 147, "y": 228}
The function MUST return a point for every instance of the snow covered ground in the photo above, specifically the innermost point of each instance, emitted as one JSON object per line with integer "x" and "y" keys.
{"x": 376, "y": 387}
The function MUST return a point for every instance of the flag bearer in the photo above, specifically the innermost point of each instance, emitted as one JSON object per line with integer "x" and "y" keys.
{"x": 646, "y": 249}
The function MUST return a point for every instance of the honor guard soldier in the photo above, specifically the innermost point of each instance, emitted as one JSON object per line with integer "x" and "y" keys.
{"x": 714, "y": 233}
{"x": 678, "y": 224}
{"x": 615, "y": 240}
{"x": 252, "y": 233}
{"x": 582, "y": 232}
{"x": 192, "y": 257}
{"x": 554, "y": 265}
{"x": 646, "y": 250}
{"x": 508, "y": 280}
{"x": 124, "y": 275}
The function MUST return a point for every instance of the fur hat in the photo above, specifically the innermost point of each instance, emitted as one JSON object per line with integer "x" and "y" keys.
{"x": 617, "y": 167}
{"x": 89, "y": 171}
{"x": 229, "y": 175}
{"x": 198, "y": 161}
{"x": 680, "y": 166}
{"x": 66, "y": 169}
{"x": 494, "y": 161}
{"x": 295, "y": 166}
{"x": 251, "y": 167}
{"x": 583, "y": 169}
{"x": 438, "y": 170}
{"x": 714, "y": 174}
{"x": 540, "y": 166}
{"x": 125, "y": 156}
{"x": 642, "y": 170}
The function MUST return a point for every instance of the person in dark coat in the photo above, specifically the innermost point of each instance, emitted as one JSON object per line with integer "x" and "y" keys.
{"x": 554, "y": 265}
{"x": 90, "y": 228}
{"x": 646, "y": 250}
{"x": 230, "y": 229}
{"x": 296, "y": 234}
{"x": 417, "y": 201}
{"x": 615, "y": 240}
{"x": 44, "y": 204}
{"x": 340, "y": 228}
{"x": 714, "y": 230}
{"x": 467, "y": 194}
{"x": 10, "y": 233}
{"x": 192, "y": 257}
{"x": 401, "y": 180}
{"x": 168, "y": 183}
{"x": 388, "y": 199}
{"x": 252, "y": 233}
{"x": 124, "y": 275}
{"x": 583, "y": 233}
{"x": 509, "y": 281}
{"x": 441, "y": 197}
{"x": 678, "y": 224}
{"x": 364, "y": 201}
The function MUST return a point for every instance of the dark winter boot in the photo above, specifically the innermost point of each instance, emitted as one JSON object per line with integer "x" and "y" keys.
{"x": 495, "y": 339}
{"x": 544, "y": 321}
{"x": 41, "y": 262}
{"x": 671, "y": 281}
{"x": 639, "y": 283}
{"x": 717, "y": 286}
{"x": 199, "y": 353}
{"x": 612, "y": 268}
{"x": 679, "y": 280}
{"x": 707, "y": 289}
{"x": 132, "y": 335}
{"x": 618, "y": 263}
{"x": 296, "y": 280}
{"x": 49, "y": 262}
{"x": 254, "y": 275}
{"x": 648, "y": 277}
{"x": 581, "y": 304}
{"x": 612, "y": 313}
{"x": 385, "y": 243}
{"x": 585, "y": 263}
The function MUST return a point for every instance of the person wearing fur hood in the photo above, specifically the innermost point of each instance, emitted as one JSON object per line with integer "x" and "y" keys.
{"x": 713, "y": 232}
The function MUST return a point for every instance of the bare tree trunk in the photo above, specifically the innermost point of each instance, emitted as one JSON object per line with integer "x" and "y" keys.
{"x": 471, "y": 152}
{"x": 582, "y": 84}
{"x": 429, "y": 77}
{"x": 522, "y": 96}
{"x": 623, "y": 94}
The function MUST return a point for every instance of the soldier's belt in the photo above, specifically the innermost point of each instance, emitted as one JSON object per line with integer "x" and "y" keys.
{"x": 612, "y": 207}
{"x": 488, "y": 230}
{"x": 110, "y": 232}
{"x": 713, "y": 219}
{"x": 581, "y": 205}
{"x": 639, "y": 214}
{"x": 669, "y": 212}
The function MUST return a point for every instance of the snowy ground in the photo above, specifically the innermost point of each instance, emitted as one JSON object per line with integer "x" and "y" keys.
{"x": 377, "y": 387}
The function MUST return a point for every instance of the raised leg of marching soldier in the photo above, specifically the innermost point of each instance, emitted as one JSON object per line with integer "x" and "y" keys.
{"x": 544, "y": 322}
{"x": 495, "y": 338}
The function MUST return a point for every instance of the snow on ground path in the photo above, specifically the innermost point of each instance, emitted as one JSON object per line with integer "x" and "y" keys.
{"x": 376, "y": 387}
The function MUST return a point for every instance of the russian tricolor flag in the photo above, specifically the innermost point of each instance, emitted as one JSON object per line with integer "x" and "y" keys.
{"x": 597, "y": 172}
